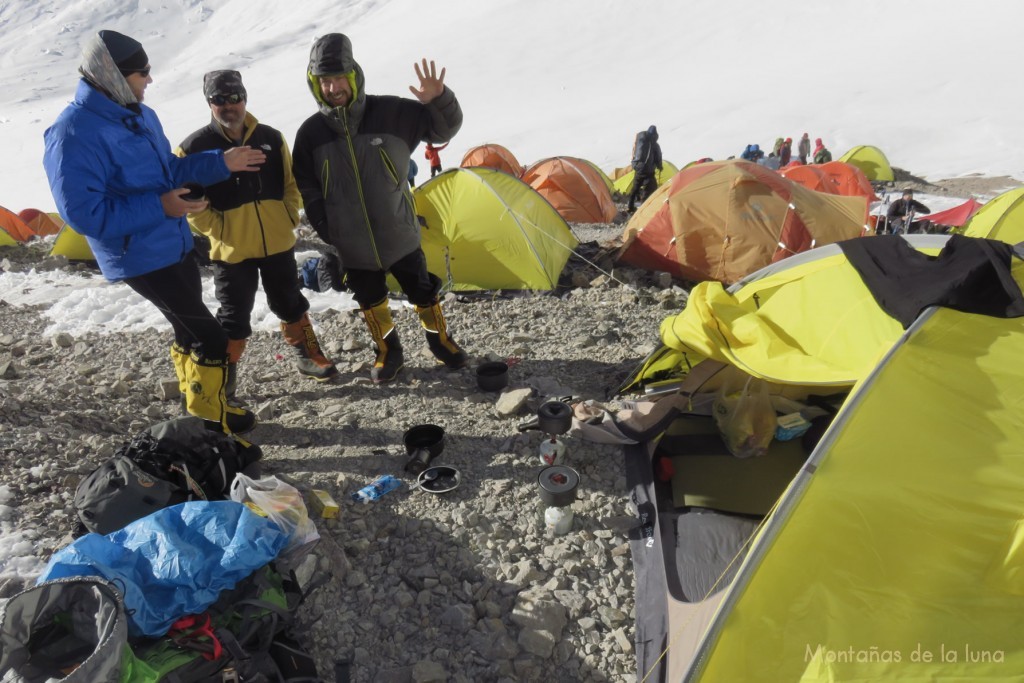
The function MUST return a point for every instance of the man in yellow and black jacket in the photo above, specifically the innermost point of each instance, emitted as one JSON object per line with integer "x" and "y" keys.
{"x": 250, "y": 223}
{"x": 351, "y": 164}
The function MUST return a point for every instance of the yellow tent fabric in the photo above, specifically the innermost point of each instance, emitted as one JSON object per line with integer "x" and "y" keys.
{"x": 1000, "y": 219}
{"x": 6, "y": 240}
{"x": 871, "y": 161}
{"x": 71, "y": 245}
{"x": 484, "y": 229}
{"x": 624, "y": 183}
{"x": 763, "y": 327}
{"x": 896, "y": 554}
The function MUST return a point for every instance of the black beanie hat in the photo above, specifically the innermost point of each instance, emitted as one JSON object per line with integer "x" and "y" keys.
{"x": 126, "y": 52}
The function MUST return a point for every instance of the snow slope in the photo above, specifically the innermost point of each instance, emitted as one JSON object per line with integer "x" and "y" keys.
{"x": 927, "y": 82}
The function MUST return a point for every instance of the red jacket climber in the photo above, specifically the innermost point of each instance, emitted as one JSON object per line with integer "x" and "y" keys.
{"x": 431, "y": 155}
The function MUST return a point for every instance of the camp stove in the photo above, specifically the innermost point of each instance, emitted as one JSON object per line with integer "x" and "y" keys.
{"x": 554, "y": 418}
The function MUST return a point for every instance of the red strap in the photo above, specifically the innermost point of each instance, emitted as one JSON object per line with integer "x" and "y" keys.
{"x": 190, "y": 629}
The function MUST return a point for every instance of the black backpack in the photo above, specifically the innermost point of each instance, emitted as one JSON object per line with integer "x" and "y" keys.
{"x": 169, "y": 463}
{"x": 643, "y": 153}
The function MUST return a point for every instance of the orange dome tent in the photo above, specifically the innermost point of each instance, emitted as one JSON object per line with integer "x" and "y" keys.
{"x": 493, "y": 156}
{"x": 574, "y": 188}
{"x": 850, "y": 180}
{"x": 38, "y": 222}
{"x": 811, "y": 177}
{"x": 14, "y": 226}
{"x": 722, "y": 220}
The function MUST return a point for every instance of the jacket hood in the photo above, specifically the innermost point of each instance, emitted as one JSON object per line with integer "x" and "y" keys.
{"x": 652, "y": 133}
{"x": 817, "y": 141}
{"x": 98, "y": 67}
{"x": 331, "y": 55}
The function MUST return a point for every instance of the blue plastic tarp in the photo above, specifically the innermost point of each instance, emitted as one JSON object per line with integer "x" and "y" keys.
{"x": 175, "y": 561}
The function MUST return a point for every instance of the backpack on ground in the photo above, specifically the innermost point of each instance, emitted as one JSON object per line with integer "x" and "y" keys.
{"x": 169, "y": 463}
{"x": 322, "y": 273}
{"x": 75, "y": 630}
{"x": 243, "y": 635}
{"x": 71, "y": 629}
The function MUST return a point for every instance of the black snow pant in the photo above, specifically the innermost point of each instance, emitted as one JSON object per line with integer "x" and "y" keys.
{"x": 177, "y": 291}
{"x": 644, "y": 185}
{"x": 370, "y": 287}
{"x": 236, "y": 285}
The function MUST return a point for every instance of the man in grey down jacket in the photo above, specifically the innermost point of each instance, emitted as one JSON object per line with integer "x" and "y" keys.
{"x": 351, "y": 160}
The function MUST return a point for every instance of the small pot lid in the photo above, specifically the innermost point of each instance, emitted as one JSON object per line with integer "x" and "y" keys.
{"x": 439, "y": 479}
{"x": 558, "y": 478}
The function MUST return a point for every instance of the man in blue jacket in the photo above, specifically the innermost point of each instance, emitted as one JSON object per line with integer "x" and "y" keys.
{"x": 115, "y": 180}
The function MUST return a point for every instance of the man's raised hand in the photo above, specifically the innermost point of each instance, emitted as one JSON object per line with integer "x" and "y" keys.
{"x": 431, "y": 85}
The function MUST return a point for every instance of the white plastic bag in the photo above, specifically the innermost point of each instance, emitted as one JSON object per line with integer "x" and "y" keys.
{"x": 283, "y": 504}
{"x": 745, "y": 418}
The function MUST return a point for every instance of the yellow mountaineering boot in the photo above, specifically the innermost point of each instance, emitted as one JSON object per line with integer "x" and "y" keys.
{"x": 385, "y": 342}
{"x": 205, "y": 396}
{"x": 441, "y": 344}
{"x": 179, "y": 356}
{"x": 312, "y": 362}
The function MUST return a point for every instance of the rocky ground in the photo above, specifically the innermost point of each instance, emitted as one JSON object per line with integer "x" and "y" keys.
{"x": 464, "y": 586}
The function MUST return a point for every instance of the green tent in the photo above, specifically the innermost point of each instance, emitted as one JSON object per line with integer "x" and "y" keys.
{"x": 484, "y": 229}
{"x": 871, "y": 161}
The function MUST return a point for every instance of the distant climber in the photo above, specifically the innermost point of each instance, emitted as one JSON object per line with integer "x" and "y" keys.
{"x": 752, "y": 153}
{"x": 434, "y": 158}
{"x": 786, "y": 152}
{"x": 901, "y": 212}
{"x": 646, "y": 161}
{"x": 803, "y": 149}
{"x": 821, "y": 153}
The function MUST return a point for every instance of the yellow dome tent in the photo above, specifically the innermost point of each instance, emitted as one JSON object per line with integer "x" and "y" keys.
{"x": 871, "y": 161}
{"x": 71, "y": 245}
{"x": 485, "y": 229}
{"x": 1000, "y": 219}
{"x": 624, "y": 183}
{"x": 894, "y": 553}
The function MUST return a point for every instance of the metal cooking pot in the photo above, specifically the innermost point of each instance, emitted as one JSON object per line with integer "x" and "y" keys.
{"x": 557, "y": 485}
{"x": 492, "y": 375}
{"x": 554, "y": 417}
{"x": 423, "y": 443}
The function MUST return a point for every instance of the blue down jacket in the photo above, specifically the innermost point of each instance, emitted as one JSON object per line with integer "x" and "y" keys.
{"x": 107, "y": 168}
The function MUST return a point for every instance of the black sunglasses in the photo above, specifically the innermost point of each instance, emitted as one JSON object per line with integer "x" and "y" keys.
{"x": 221, "y": 100}
{"x": 142, "y": 72}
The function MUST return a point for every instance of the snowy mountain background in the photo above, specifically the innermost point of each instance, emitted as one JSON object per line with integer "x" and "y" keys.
{"x": 927, "y": 82}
